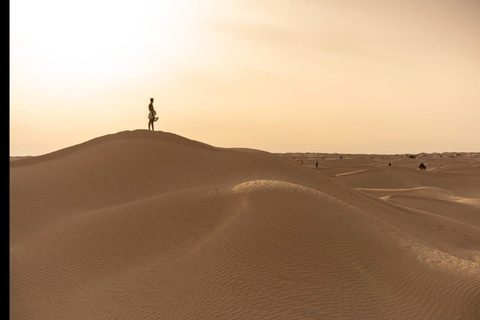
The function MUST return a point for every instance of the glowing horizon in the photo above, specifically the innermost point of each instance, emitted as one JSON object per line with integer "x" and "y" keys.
{"x": 379, "y": 77}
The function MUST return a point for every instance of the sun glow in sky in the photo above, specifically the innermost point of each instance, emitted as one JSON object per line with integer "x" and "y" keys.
{"x": 282, "y": 76}
{"x": 75, "y": 42}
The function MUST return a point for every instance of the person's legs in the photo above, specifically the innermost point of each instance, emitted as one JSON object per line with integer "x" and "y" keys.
{"x": 150, "y": 123}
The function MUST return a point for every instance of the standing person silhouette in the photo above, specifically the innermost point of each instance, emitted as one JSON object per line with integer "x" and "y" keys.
{"x": 151, "y": 115}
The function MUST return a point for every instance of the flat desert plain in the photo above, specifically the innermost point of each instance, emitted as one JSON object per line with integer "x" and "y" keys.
{"x": 152, "y": 225}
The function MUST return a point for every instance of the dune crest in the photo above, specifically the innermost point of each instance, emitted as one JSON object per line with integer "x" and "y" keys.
{"x": 153, "y": 225}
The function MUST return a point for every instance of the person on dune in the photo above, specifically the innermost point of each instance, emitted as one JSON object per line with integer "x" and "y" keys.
{"x": 151, "y": 115}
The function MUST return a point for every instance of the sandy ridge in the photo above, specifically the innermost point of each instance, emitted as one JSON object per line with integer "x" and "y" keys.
{"x": 152, "y": 225}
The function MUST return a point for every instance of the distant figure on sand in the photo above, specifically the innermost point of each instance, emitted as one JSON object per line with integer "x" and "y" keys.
{"x": 151, "y": 115}
{"x": 422, "y": 166}
{"x": 390, "y": 164}
{"x": 316, "y": 165}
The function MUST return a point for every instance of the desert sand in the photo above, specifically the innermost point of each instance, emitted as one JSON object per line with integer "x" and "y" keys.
{"x": 152, "y": 225}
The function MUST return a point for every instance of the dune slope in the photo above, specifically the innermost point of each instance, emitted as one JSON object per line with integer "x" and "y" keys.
{"x": 150, "y": 225}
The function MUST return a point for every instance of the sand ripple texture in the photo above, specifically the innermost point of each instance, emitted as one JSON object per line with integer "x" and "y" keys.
{"x": 151, "y": 225}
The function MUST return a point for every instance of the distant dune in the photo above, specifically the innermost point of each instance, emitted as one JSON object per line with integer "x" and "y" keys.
{"x": 151, "y": 225}
{"x": 15, "y": 158}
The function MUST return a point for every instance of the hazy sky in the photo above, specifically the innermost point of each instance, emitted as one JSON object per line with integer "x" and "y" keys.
{"x": 347, "y": 76}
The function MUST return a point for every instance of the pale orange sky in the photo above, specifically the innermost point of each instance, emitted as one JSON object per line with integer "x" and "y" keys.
{"x": 277, "y": 75}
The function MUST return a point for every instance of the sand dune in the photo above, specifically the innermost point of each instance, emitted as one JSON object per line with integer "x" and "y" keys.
{"x": 392, "y": 178}
{"x": 151, "y": 225}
